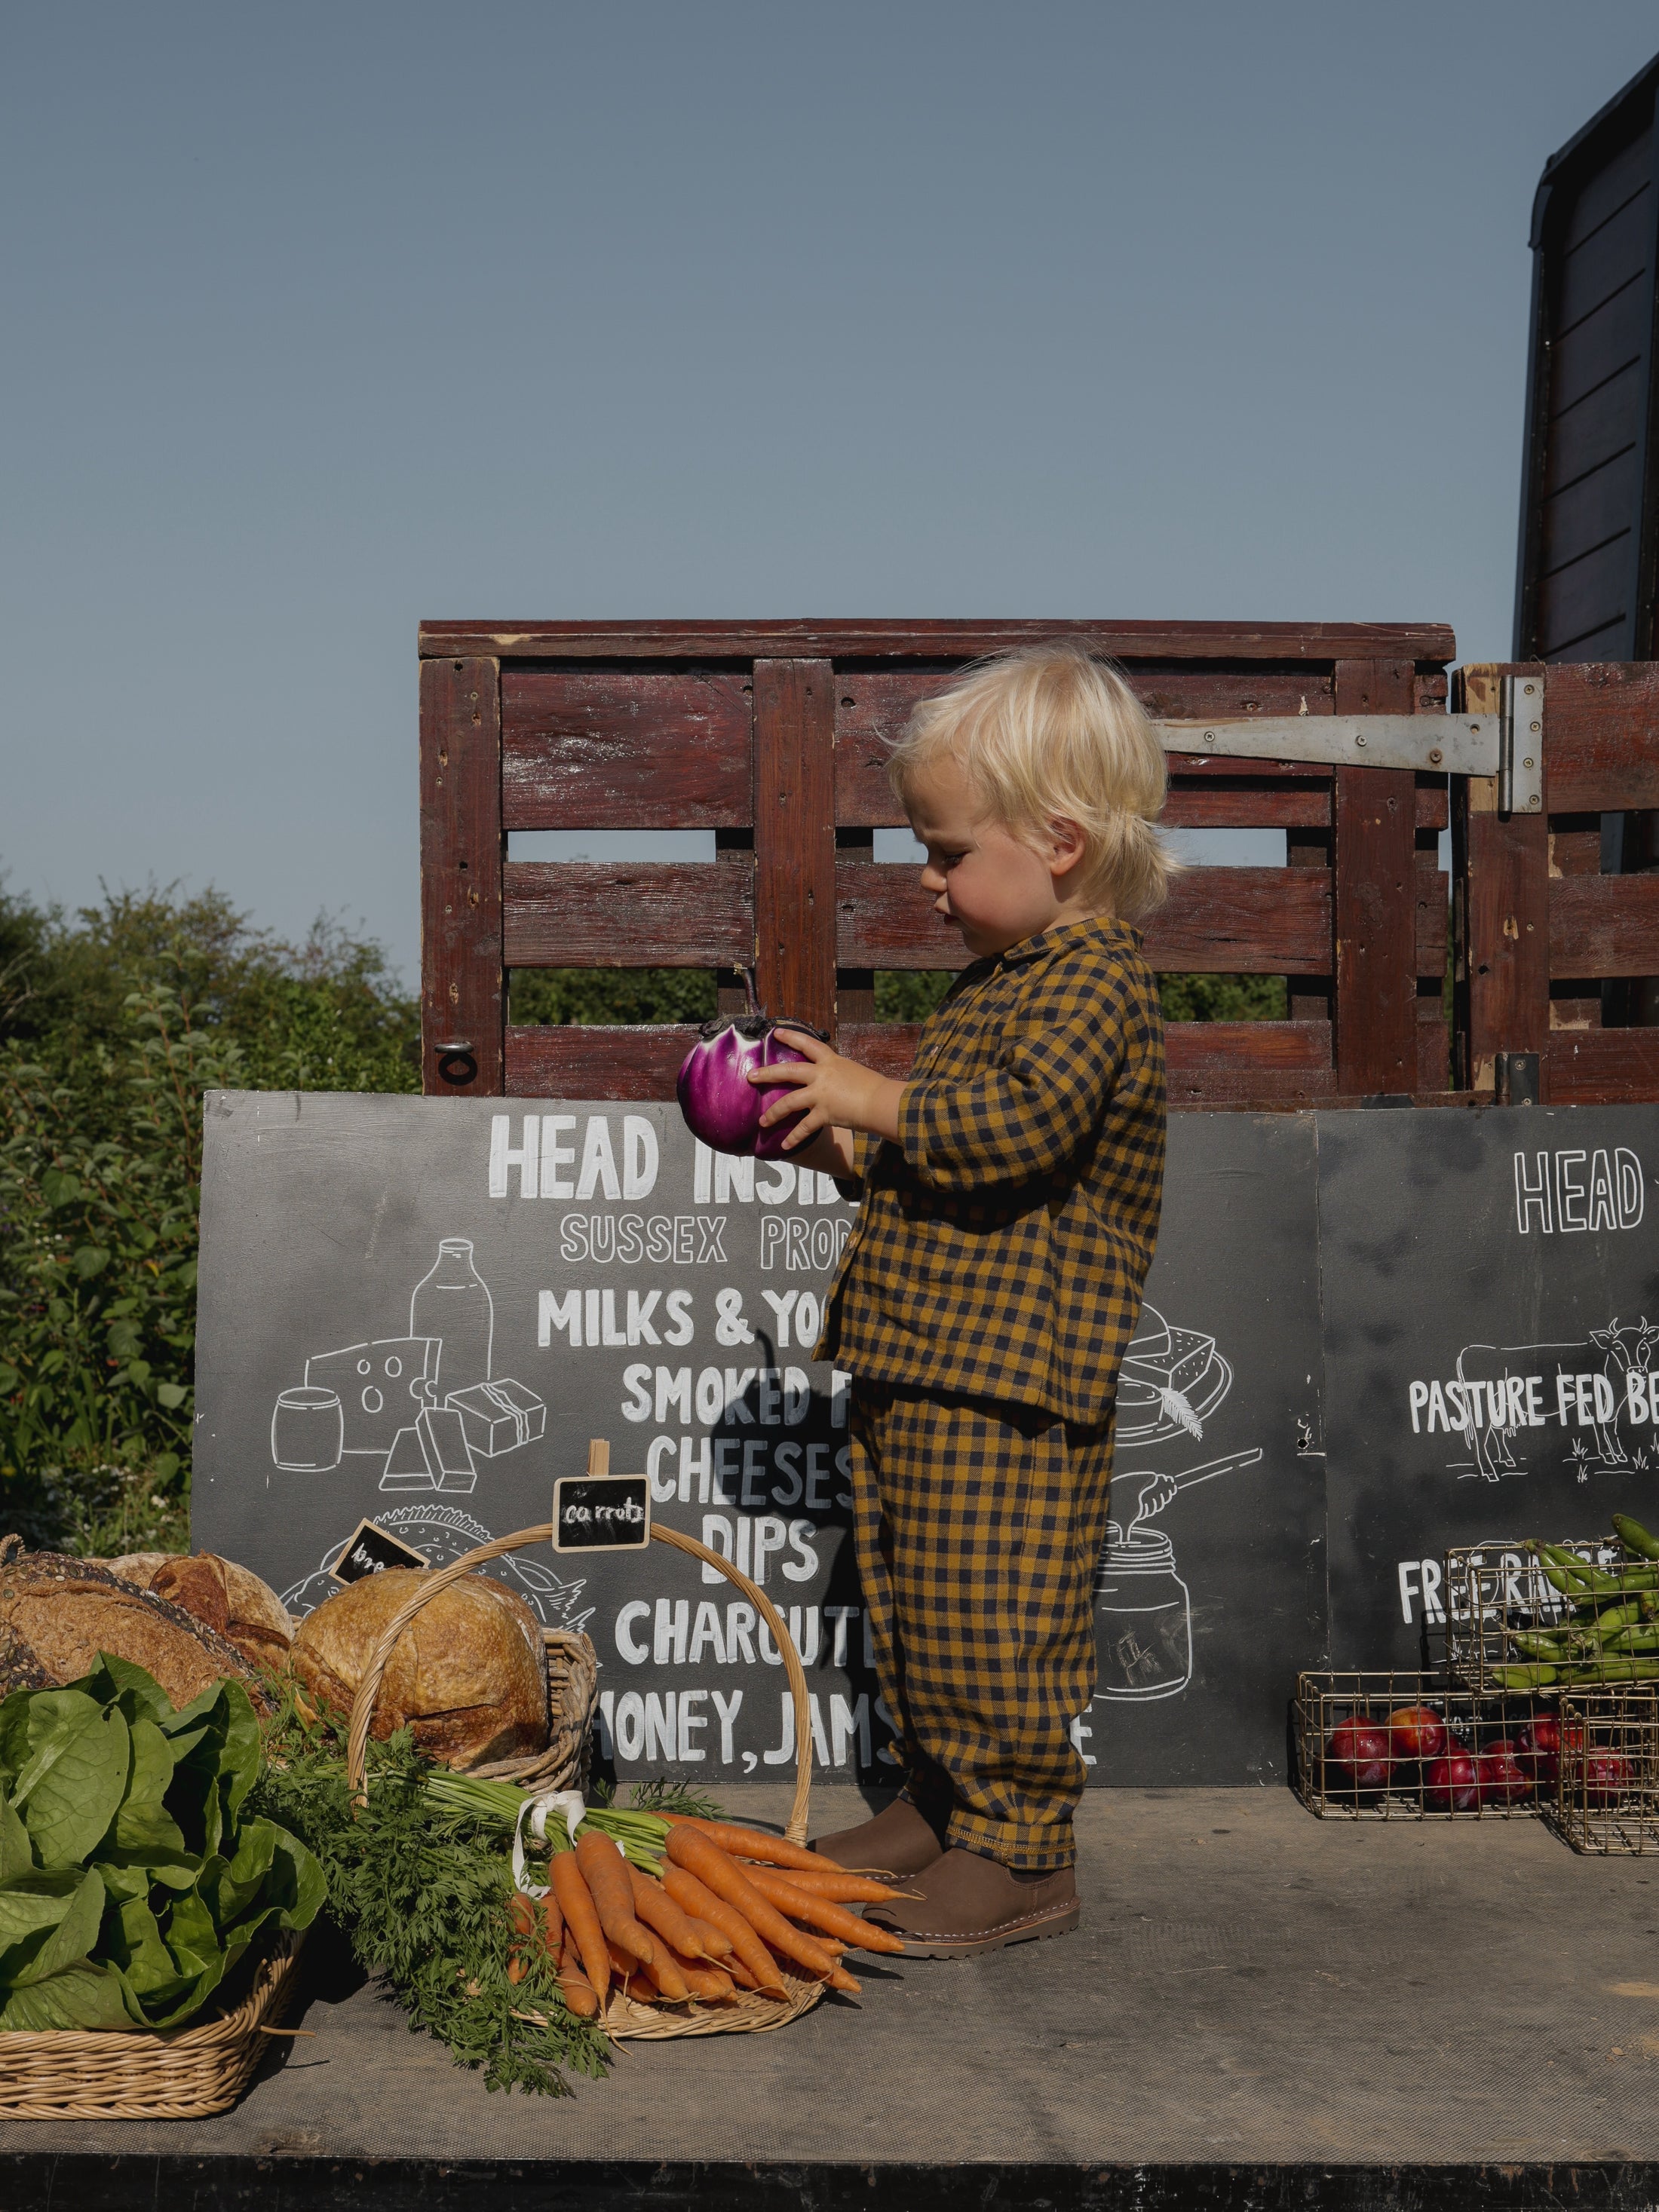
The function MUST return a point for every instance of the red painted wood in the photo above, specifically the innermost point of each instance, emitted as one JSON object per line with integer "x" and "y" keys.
{"x": 572, "y": 1060}
{"x": 1601, "y": 736}
{"x": 573, "y": 913}
{"x": 795, "y": 840}
{"x": 879, "y": 639}
{"x": 1267, "y": 922}
{"x": 1602, "y": 1068}
{"x": 1604, "y": 925}
{"x": 1375, "y": 825}
{"x": 461, "y": 991}
{"x": 625, "y": 749}
{"x": 1503, "y": 963}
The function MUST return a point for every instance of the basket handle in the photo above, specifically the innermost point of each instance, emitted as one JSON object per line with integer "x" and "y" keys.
{"x": 363, "y": 1706}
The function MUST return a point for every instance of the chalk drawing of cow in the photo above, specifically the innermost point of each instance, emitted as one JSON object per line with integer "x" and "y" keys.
{"x": 1484, "y": 1370}
{"x": 1624, "y": 1351}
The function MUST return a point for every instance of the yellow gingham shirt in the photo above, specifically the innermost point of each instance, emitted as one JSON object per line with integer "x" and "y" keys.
{"x": 1003, "y": 1241}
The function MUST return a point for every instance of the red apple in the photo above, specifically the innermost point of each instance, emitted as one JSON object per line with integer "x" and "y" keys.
{"x": 1358, "y": 1750}
{"x": 1452, "y": 1784}
{"x": 1502, "y": 1779}
{"x": 1538, "y": 1747}
{"x": 1415, "y": 1732}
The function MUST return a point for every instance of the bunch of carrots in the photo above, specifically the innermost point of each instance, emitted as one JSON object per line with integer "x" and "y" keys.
{"x": 732, "y": 1909}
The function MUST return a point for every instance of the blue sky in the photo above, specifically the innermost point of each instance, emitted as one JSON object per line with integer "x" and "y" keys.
{"x": 324, "y": 319}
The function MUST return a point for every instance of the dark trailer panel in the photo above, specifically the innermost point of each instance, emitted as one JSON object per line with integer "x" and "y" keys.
{"x": 1589, "y": 497}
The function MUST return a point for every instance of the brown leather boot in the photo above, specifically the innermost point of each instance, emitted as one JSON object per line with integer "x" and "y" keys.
{"x": 899, "y": 1841}
{"x": 969, "y": 1904}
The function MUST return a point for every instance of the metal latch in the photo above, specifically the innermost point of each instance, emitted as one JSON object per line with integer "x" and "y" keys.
{"x": 1521, "y": 749}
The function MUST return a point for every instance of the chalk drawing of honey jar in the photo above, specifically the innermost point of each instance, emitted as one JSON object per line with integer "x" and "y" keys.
{"x": 1143, "y": 1610}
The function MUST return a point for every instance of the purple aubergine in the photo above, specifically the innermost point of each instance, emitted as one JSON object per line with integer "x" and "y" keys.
{"x": 721, "y": 1105}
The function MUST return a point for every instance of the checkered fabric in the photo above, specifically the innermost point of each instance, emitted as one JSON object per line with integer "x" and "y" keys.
{"x": 1002, "y": 1243}
{"x": 977, "y": 1529}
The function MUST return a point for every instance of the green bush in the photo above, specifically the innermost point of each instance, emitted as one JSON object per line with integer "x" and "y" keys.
{"x": 112, "y": 1024}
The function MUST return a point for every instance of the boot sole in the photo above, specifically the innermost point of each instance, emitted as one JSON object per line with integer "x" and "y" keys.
{"x": 1058, "y": 1920}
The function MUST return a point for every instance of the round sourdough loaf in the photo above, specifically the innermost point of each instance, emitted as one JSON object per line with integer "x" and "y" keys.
{"x": 58, "y": 1614}
{"x": 225, "y": 1594}
{"x": 468, "y": 1675}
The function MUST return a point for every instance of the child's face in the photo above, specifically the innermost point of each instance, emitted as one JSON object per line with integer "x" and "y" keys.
{"x": 995, "y": 888}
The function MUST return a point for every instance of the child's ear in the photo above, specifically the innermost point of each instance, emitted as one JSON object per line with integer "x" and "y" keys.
{"x": 1067, "y": 845}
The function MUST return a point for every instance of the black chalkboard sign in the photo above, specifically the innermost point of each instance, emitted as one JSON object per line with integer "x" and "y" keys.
{"x": 601, "y": 1513}
{"x": 369, "y": 1549}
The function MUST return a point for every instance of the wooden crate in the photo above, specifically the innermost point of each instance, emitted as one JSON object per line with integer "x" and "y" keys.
{"x": 1539, "y": 928}
{"x": 772, "y": 735}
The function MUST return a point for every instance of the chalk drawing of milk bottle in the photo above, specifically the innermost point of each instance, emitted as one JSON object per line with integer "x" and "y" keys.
{"x": 454, "y": 1303}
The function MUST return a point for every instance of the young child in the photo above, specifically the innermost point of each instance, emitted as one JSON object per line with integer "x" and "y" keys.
{"x": 1009, "y": 1198}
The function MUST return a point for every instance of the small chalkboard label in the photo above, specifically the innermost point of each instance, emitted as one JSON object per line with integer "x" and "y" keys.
{"x": 601, "y": 1513}
{"x": 368, "y": 1549}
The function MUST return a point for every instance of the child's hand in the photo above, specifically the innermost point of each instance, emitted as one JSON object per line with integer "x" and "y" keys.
{"x": 828, "y": 1092}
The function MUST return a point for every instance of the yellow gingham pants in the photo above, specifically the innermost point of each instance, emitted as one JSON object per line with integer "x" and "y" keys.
{"x": 978, "y": 1529}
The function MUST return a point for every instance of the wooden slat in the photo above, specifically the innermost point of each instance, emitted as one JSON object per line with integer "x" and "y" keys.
{"x": 1433, "y": 1045}
{"x": 1601, "y": 736}
{"x": 1602, "y": 1068}
{"x": 1375, "y": 827}
{"x": 1265, "y": 922}
{"x": 1246, "y": 1088}
{"x": 625, "y": 749}
{"x": 1604, "y": 925}
{"x": 1504, "y": 994}
{"x": 795, "y": 840}
{"x": 461, "y": 997}
{"x": 1432, "y": 917}
{"x": 573, "y": 1061}
{"x": 578, "y": 914}
{"x": 1197, "y": 1047}
{"x": 888, "y": 1047}
{"x": 936, "y": 641}
{"x": 1234, "y": 803}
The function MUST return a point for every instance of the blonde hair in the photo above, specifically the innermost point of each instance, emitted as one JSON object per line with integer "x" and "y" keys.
{"x": 1052, "y": 732}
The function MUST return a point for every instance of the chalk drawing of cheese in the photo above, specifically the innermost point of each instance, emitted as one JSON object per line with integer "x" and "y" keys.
{"x": 381, "y": 1387}
{"x": 1170, "y": 1379}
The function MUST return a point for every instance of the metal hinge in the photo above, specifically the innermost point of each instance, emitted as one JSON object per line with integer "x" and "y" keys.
{"x": 1437, "y": 745}
{"x": 1520, "y": 754}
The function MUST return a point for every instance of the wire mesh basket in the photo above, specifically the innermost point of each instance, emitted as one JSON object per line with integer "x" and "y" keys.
{"x": 1505, "y": 1609}
{"x": 1606, "y": 1799}
{"x": 1408, "y": 1746}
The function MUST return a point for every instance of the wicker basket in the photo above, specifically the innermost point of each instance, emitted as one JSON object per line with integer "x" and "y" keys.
{"x": 750, "y": 2013}
{"x": 182, "y": 2074}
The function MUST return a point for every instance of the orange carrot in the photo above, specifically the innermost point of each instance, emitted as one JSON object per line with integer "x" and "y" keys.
{"x": 711, "y": 1985}
{"x": 605, "y": 1872}
{"x": 819, "y": 1912}
{"x": 689, "y": 1849}
{"x": 515, "y": 1967}
{"x": 552, "y": 1925}
{"x": 740, "y": 1973}
{"x": 689, "y": 1894}
{"x": 521, "y": 1912}
{"x": 715, "y": 1945}
{"x": 667, "y": 1976}
{"x": 844, "y": 1888}
{"x": 657, "y": 1909}
{"x": 840, "y": 1979}
{"x": 749, "y": 1843}
{"x": 573, "y": 1985}
{"x": 582, "y": 1920}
